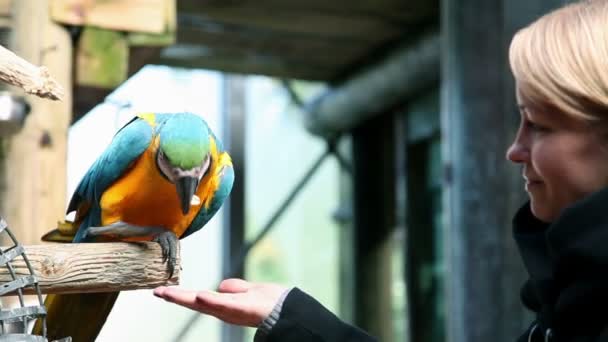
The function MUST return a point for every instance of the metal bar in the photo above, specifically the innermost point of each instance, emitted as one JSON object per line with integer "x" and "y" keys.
{"x": 344, "y": 164}
{"x": 16, "y": 284}
{"x": 37, "y": 288}
{"x": 12, "y": 236}
{"x": 21, "y": 314}
{"x": 5, "y": 257}
{"x": 3, "y": 225}
{"x": 10, "y": 254}
{"x": 293, "y": 96}
{"x": 20, "y": 283}
{"x": 234, "y": 208}
{"x": 21, "y": 338}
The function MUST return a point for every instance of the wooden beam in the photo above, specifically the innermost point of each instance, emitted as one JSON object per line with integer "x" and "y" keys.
{"x": 167, "y": 37}
{"x": 238, "y": 62}
{"x": 326, "y": 24}
{"x": 102, "y": 58}
{"x": 93, "y": 267}
{"x": 314, "y": 50}
{"x": 123, "y": 15}
{"x": 411, "y": 10}
{"x": 34, "y": 80}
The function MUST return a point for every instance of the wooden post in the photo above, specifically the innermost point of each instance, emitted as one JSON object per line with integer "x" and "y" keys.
{"x": 33, "y": 169}
{"x": 483, "y": 190}
{"x": 93, "y": 267}
{"x": 374, "y": 220}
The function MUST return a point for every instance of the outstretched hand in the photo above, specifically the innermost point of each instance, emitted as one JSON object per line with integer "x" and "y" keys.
{"x": 236, "y": 301}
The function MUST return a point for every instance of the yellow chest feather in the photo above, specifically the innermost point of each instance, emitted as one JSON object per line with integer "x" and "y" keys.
{"x": 144, "y": 197}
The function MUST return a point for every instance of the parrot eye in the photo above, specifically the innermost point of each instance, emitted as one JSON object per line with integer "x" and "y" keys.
{"x": 206, "y": 166}
{"x": 163, "y": 165}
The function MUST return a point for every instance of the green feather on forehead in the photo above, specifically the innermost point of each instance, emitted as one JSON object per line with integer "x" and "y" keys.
{"x": 184, "y": 139}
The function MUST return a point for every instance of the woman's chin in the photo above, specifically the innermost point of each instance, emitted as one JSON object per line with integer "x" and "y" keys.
{"x": 542, "y": 212}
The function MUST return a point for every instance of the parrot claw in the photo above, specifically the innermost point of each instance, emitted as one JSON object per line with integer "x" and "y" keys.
{"x": 122, "y": 229}
{"x": 168, "y": 243}
{"x": 166, "y": 239}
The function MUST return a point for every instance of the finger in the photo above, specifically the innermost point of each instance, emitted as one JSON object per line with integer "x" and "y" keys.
{"x": 234, "y": 285}
{"x": 176, "y": 295}
{"x": 215, "y": 301}
{"x": 159, "y": 291}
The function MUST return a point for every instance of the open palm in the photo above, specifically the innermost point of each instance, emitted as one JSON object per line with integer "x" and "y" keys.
{"x": 236, "y": 301}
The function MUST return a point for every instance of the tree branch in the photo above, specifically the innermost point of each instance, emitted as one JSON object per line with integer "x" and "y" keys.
{"x": 33, "y": 79}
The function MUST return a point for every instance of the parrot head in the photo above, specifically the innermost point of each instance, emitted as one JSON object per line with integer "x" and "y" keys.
{"x": 184, "y": 155}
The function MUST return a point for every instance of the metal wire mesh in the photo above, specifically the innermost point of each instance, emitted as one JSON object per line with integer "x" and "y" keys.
{"x": 19, "y": 318}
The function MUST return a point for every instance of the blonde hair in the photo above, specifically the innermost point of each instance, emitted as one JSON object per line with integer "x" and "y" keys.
{"x": 561, "y": 60}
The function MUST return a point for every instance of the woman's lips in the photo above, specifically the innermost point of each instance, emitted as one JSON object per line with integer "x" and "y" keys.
{"x": 531, "y": 184}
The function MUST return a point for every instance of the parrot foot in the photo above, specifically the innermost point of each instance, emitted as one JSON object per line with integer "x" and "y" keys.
{"x": 124, "y": 230}
{"x": 168, "y": 243}
{"x": 165, "y": 238}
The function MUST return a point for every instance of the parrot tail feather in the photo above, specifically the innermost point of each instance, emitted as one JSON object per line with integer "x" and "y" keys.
{"x": 80, "y": 315}
{"x": 65, "y": 232}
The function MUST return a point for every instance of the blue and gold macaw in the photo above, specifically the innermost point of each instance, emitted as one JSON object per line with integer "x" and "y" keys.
{"x": 162, "y": 178}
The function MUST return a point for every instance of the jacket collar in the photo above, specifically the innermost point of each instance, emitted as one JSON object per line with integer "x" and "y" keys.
{"x": 581, "y": 229}
{"x": 566, "y": 261}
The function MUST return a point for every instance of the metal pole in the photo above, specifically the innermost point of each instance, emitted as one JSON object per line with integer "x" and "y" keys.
{"x": 411, "y": 69}
{"x": 234, "y": 218}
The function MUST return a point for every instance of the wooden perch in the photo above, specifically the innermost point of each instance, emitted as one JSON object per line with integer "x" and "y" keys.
{"x": 33, "y": 79}
{"x": 93, "y": 267}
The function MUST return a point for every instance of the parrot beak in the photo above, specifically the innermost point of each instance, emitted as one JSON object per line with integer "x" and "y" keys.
{"x": 186, "y": 187}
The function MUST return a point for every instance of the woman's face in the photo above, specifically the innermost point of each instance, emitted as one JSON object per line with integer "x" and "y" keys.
{"x": 563, "y": 158}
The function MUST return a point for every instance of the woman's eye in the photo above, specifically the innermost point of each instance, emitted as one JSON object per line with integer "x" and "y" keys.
{"x": 536, "y": 127}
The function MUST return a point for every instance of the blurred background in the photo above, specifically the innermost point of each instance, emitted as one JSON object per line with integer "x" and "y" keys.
{"x": 368, "y": 139}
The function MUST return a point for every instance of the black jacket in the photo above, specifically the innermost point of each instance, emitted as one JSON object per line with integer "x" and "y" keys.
{"x": 303, "y": 319}
{"x": 568, "y": 266}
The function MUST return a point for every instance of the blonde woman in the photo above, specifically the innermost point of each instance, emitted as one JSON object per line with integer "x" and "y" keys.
{"x": 560, "y": 63}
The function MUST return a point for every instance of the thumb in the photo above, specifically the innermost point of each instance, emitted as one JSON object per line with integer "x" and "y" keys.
{"x": 234, "y": 285}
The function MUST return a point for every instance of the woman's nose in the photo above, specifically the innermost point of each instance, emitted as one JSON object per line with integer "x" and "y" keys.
{"x": 518, "y": 152}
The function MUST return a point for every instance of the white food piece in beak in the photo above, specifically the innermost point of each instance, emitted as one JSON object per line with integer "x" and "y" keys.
{"x": 195, "y": 200}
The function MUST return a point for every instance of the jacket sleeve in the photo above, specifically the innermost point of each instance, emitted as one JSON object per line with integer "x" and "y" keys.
{"x": 302, "y": 318}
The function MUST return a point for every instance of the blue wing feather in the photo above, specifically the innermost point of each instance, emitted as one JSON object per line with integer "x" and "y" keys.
{"x": 205, "y": 214}
{"x": 126, "y": 146}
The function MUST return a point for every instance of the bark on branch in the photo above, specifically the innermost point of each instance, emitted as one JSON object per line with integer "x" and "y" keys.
{"x": 93, "y": 267}
{"x": 33, "y": 79}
